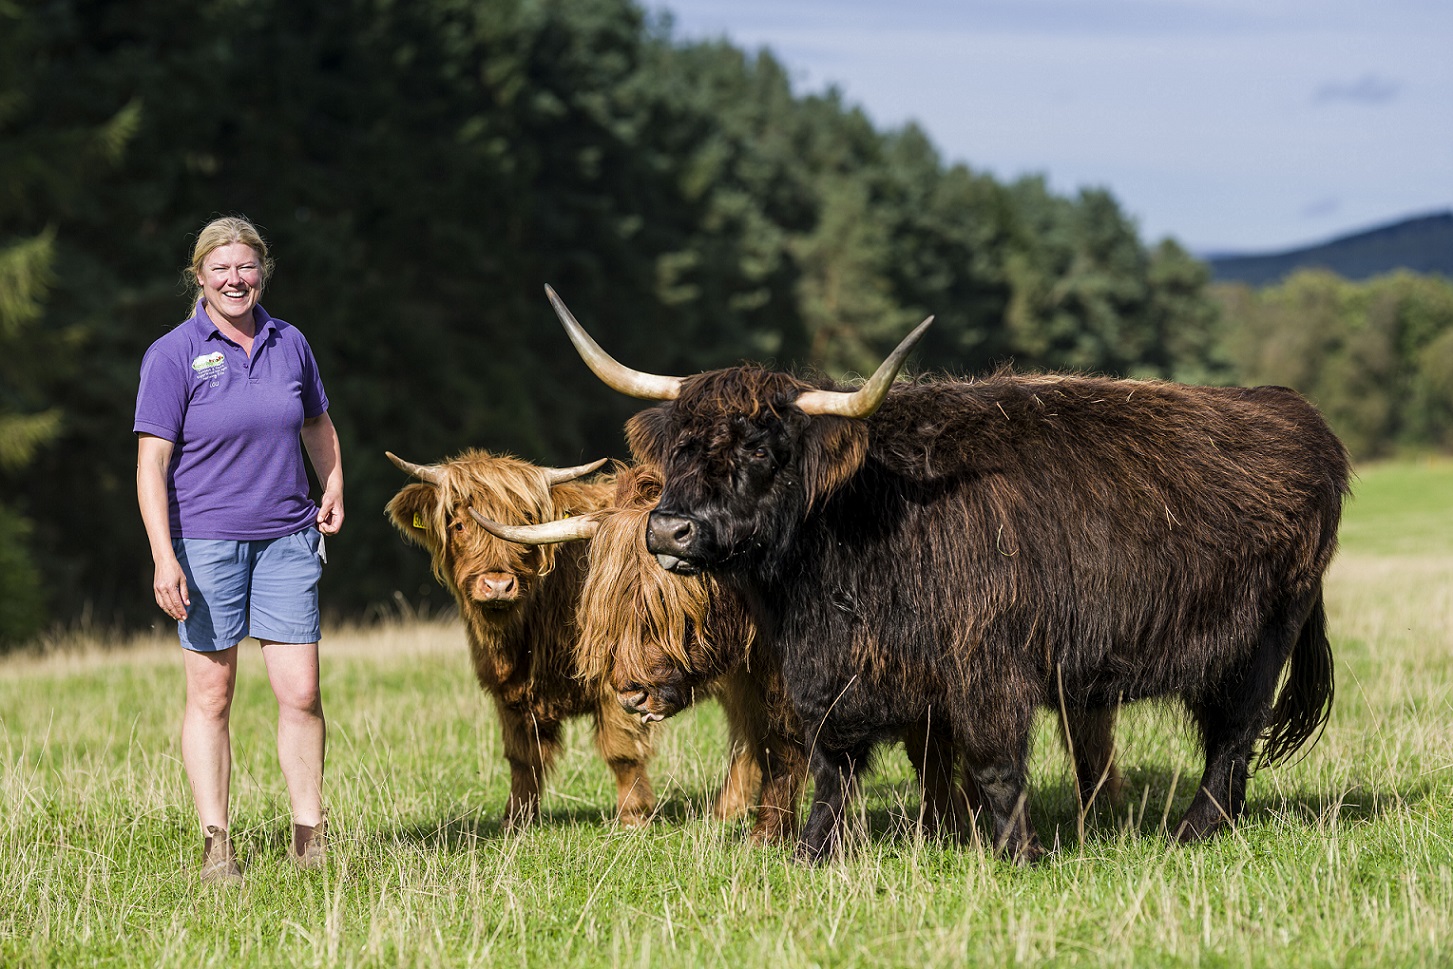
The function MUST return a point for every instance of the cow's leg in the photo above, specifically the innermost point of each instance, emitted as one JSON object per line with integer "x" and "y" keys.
{"x": 1229, "y": 731}
{"x": 948, "y": 803}
{"x": 741, "y": 701}
{"x": 1003, "y": 790}
{"x": 1231, "y": 715}
{"x": 996, "y": 751}
{"x": 1089, "y": 733}
{"x": 744, "y": 777}
{"x": 531, "y": 746}
{"x": 768, "y": 764}
{"x": 625, "y": 744}
{"x": 834, "y": 775}
{"x": 783, "y": 768}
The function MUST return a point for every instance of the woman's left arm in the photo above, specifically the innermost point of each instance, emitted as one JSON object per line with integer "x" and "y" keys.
{"x": 320, "y": 438}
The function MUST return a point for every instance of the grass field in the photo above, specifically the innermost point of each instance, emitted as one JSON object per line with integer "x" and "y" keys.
{"x": 1345, "y": 857}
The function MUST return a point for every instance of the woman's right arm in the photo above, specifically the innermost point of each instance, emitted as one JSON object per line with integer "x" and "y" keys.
{"x": 169, "y": 584}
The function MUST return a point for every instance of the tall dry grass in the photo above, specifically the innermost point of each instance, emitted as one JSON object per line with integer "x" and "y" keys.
{"x": 1344, "y": 858}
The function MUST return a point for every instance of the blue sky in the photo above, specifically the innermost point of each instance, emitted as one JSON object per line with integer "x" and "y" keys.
{"x": 1231, "y": 125}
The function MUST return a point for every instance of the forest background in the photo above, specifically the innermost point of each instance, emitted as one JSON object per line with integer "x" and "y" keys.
{"x": 422, "y": 168}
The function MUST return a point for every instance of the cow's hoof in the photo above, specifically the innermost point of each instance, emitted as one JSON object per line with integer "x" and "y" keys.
{"x": 1190, "y": 831}
{"x": 808, "y": 856}
{"x": 516, "y": 822}
{"x": 1026, "y": 853}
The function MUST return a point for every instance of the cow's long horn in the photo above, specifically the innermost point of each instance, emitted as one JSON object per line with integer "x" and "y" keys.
{"x": 633, "y": 383}
{"x": 424, "y": 472}
{"x": 561, "y": 475}
{"x": 571, "y": 529}
{"x": 867, "y": 398}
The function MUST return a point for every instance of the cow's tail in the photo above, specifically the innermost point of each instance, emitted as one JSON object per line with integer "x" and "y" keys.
{"x": 1305, "y": 701}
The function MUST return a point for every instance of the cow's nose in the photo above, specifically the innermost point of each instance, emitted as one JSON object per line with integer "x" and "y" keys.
{"x": 498, "y": 586}
{"x": 634, "y": 698}
{"x": 669, "y": 534}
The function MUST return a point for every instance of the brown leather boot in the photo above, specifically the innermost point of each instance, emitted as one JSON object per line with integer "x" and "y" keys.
{"x": 309, "y": 844}
{"x": 219, "y": 861}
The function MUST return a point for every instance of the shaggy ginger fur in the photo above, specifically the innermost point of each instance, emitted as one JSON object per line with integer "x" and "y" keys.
{"x": 518, "y": 605}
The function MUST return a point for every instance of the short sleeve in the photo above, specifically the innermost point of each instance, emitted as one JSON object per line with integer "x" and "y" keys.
{"x": 315, "y": 400}
{"x": 161, "y": 398}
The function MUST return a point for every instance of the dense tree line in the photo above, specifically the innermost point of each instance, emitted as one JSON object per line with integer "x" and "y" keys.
{"x": 1376, "y": 356}
{"x": 421, "y": 168}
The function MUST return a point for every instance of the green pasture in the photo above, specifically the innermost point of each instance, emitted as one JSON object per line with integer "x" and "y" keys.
{"x": 1345, "y": 858}
{"x": 1403, "y": 508}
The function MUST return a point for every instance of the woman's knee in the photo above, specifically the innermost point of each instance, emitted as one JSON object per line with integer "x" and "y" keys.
{"x": 299, "y": 699}
{"x": 210, "y": 685}
{"x": 293, "y": 672}
{"x": 211, "y": 701}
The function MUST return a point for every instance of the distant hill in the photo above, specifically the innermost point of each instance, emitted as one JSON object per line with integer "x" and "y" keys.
{"x": 1421, "y": 245}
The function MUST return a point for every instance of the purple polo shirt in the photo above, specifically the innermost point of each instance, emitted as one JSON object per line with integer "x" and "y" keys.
{"x": 237, "y": 466}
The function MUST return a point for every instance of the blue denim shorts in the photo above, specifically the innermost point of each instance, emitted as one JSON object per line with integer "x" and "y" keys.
{"x": 267, "y": 589}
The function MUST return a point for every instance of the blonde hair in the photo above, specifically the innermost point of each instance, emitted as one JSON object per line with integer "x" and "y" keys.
{"x": 224, "y": 232}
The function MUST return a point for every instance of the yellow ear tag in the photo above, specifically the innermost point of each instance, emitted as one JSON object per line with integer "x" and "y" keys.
{"x": 418, "y": 521}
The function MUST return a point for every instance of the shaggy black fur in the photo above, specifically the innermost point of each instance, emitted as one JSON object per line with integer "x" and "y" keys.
{"x": 979, "y": 549}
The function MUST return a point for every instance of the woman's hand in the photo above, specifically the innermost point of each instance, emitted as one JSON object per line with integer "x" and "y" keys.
{"x": 170, "y": 588}
{"x": 169, "y": 585}
{"x": 330, "y": 513}
{"x": 320, "y": 440}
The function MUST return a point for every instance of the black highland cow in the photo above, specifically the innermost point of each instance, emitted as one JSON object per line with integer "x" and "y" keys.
{"x": 986, "y": 548}
{"x": 666, "y": 641}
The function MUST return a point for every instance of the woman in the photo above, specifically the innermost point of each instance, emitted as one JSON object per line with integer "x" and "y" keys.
{"x": 225, "y": 398}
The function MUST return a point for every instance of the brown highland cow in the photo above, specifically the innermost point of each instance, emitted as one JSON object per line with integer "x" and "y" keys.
{"x": 518, "y": 605}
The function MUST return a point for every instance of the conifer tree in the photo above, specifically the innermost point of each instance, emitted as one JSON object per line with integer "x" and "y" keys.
{"x": 42, "y": 167}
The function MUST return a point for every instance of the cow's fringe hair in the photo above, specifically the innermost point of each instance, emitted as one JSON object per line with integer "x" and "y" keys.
{"x": 498, "y": 486}
{"x": 631, "y": 606}
{"x": 629, "y": 600}
{"x": 752, "y": 390}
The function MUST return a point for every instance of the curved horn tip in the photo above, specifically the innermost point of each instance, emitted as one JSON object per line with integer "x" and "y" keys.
{"x": 423, "y": 472}
{"x": 561, "y": 475}
{"x": 865, "y": 401}
{"x": 617, "y": 376}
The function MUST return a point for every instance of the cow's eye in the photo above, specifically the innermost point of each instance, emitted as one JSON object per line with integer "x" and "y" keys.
{"x": 760, "y": 454}
{"x": 459, "y": 526}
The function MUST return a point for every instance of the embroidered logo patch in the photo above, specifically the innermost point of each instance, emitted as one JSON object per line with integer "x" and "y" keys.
{"x": 209, "y": 365}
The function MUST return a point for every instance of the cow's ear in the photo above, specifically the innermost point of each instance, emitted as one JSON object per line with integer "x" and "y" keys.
{"x": 646, "y": 435}
{"x": 412, "y": 512}
{"x": 833, "y": 449}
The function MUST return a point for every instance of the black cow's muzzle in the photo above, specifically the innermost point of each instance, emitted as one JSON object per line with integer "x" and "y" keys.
{"x": 675, "y": 541}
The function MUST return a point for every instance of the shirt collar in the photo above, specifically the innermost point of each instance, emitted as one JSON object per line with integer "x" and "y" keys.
{"x": 206, "y": 329}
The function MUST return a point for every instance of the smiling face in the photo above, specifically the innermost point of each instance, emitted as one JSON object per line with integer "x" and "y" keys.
{"x": 230, "y": 279}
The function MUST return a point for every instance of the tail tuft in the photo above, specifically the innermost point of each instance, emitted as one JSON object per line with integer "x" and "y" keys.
{"x": 1305, "y": 702}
